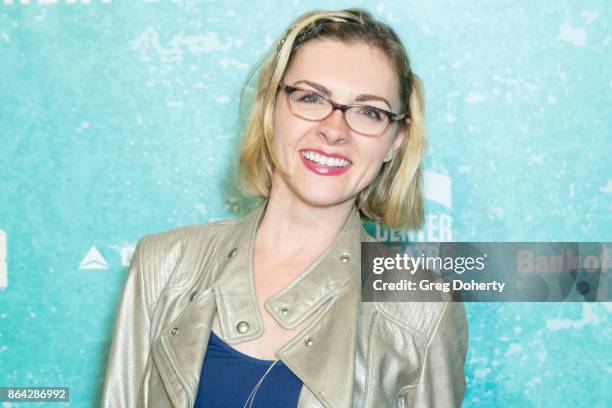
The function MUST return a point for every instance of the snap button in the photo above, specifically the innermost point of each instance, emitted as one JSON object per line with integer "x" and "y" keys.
{"x": 232, "y": 252}
{"x": 284, "y": 310}
{"x": 193, "y": 295}
{"x": 345, "y": 258}
{"x": 308, "y": 341}
{"x": 242, "y": 327}
{"x": 175, "y": 331}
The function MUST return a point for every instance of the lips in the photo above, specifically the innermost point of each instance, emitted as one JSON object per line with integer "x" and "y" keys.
{"x": 325, "y": 164}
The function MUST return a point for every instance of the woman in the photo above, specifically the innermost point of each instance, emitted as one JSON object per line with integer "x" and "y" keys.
{"x": 266, "y": 311}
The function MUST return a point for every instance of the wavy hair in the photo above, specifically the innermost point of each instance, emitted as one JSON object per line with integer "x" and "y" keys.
{"x": 395, "y": 196}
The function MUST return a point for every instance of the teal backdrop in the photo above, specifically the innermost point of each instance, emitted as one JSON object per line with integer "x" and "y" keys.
{"x": 120, "y": 118}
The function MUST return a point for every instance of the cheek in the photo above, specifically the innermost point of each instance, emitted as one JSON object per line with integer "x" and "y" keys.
{"x": 372, "y": 160}
{"x": 370, "y": 174}
{"x": 287, "y": 129}
{"x": 286, "y": 140}
{"x": 283, "y": 136}
{"x": 374, "y": 152}
{"x": 281, "y": 131}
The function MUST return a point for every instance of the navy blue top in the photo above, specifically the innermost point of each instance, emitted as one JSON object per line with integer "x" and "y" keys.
{"x": 228, "y": 377}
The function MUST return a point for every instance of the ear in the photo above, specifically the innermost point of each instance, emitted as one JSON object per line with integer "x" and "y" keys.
{"x": 399, "y": 139}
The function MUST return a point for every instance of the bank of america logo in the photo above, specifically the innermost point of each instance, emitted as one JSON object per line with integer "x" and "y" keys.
{"x": 93, "y": 260}
{"x": 3, "y": 266}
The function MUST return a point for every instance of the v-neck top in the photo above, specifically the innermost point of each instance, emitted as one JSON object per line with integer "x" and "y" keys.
{"x": 228, "y": 377}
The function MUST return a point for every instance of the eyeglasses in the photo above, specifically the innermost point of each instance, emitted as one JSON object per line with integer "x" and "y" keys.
{"x": 312, "y": 105}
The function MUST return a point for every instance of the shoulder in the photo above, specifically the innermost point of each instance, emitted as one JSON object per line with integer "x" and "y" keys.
{"x": 422, "y": 312}
{"x": 426, "y": 313}
{"x": 160, "y": 243}
{"x": 173, "y": 257}
{"x": 425, "y": 318}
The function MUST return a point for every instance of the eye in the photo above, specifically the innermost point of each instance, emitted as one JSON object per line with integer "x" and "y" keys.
{"x": 307, "y": 97}
{"x": 371, "y": 112}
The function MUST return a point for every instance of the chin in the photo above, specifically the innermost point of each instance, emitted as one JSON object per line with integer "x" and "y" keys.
{"x": 316, "y": 193}
{"x": 323, "y": 199}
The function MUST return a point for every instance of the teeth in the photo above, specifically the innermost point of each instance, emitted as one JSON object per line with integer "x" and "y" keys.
{"x": 324, "y": 160}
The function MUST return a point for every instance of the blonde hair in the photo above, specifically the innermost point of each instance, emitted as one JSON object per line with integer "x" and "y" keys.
{"x": 395, "y": 196}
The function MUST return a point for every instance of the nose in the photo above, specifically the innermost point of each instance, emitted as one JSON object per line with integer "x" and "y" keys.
{"x": 334, "y": 128}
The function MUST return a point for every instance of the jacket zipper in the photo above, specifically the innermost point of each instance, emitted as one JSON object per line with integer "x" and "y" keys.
{"x": 368, "y": 361}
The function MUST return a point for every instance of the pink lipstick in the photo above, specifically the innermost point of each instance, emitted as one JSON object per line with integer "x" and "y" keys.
{"x": 325, "y": 164}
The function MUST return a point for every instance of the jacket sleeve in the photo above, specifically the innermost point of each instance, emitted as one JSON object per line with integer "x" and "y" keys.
{"x": 130, "y": 345}
{"x": 442, "y": 382}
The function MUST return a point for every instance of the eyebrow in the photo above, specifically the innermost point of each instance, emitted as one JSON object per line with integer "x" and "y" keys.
{"x": 360, "y": 98}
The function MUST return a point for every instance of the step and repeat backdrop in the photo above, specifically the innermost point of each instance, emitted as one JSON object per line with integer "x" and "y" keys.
{"x": 121, "y": 118}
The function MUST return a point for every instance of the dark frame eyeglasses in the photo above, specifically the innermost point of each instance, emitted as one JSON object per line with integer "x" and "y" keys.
{"x": 393, "y": 117}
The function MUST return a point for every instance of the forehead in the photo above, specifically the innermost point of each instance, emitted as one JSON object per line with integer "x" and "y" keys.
{"x": 347, "y": 70}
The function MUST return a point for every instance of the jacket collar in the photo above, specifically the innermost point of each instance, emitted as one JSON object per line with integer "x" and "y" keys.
{"x": 322, "y": 355}
{"x": 237, "y": 307}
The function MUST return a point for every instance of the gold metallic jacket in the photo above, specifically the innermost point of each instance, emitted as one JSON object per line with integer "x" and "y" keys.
{"x": 352, "y": 354}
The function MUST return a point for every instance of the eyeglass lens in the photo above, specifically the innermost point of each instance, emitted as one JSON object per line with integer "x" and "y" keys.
{"x": 363, "y": 119}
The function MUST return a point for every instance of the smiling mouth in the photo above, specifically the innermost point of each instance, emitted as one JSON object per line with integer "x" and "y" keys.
{"x": 321, "y": 160}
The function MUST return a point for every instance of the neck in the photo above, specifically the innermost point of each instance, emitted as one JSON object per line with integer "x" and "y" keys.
{"x": 291, "y": 226}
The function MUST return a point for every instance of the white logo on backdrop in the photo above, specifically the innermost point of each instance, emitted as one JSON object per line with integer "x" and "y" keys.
{"x": 93, "y": 260}
{"x": 3, "y": 265}
{"x": 126, "y": 255}
{"x": 438, "y": 225}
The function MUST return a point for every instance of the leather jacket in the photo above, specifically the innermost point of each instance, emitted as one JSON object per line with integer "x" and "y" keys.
{"x": 352, "y": 354}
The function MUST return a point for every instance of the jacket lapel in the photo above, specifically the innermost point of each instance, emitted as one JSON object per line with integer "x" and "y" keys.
{"x": 322, "y": 355}
{"x": 179, "y": 350}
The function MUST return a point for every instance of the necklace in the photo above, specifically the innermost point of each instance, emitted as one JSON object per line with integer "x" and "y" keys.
{"x": 249, "y": 402}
